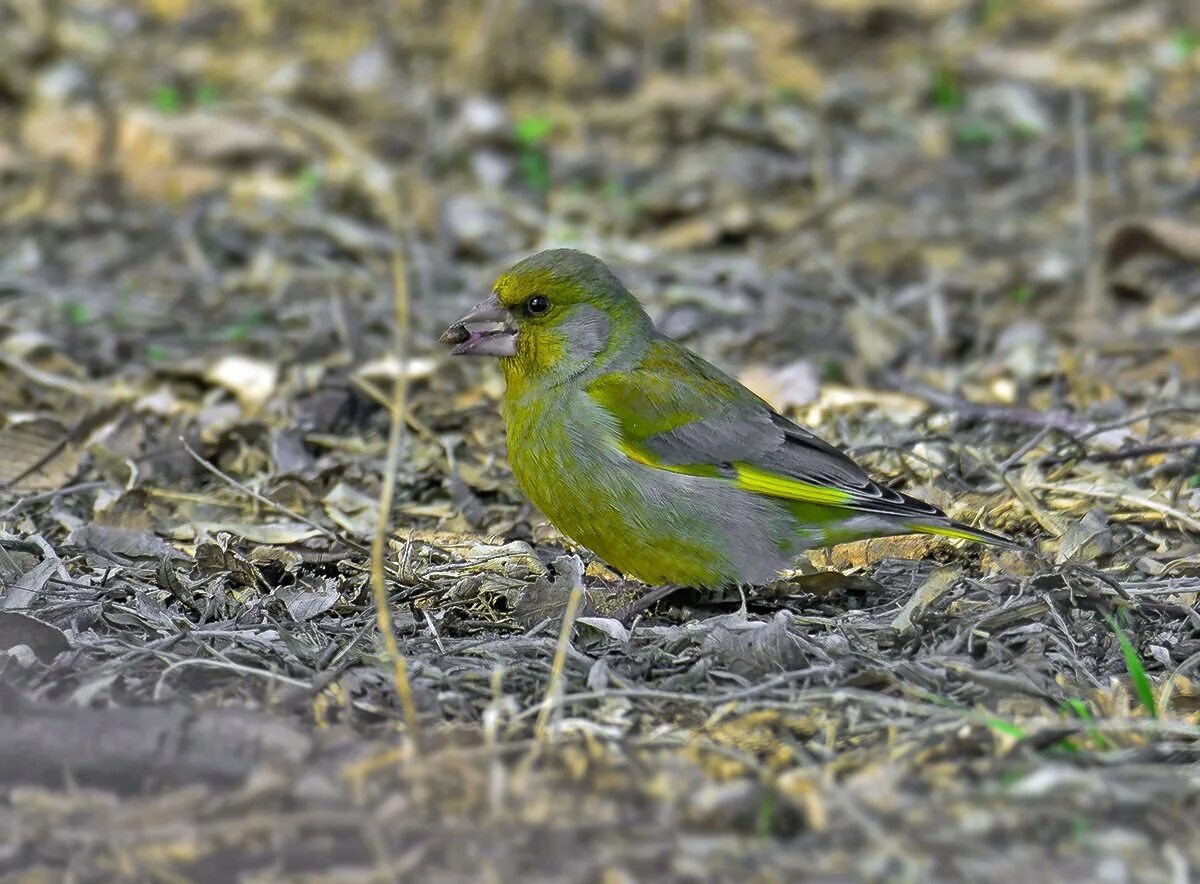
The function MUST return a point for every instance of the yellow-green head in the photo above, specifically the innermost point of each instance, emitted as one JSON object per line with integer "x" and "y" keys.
{"x": 553, "y": 314}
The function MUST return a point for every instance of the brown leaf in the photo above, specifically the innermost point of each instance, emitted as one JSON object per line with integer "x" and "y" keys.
{"x": 35, "y": 456}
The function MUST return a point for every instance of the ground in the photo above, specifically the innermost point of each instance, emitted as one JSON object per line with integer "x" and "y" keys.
{"x": 961, "y": 240}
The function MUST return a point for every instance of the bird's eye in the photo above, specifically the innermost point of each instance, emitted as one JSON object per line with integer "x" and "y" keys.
{"x": 537, "y": 304}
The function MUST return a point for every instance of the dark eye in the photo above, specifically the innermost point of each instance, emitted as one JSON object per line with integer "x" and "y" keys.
{"x": 537, "y": 304}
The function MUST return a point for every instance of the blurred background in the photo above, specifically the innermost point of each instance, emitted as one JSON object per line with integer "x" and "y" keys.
{"x": 854, "y": 184}
{"x": 959, "y": 237}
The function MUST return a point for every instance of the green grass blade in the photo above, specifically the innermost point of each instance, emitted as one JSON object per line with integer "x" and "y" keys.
{"x": 1137, "y": 672}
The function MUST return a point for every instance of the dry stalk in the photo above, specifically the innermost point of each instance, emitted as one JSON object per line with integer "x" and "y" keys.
{"x": 554, "y": 688}
{"x": 381, "y": 186}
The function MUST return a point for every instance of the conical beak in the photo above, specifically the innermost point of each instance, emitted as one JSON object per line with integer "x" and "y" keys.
{"x": 488, "y": 341}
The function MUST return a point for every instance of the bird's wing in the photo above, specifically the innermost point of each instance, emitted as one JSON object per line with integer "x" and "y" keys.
{"x": 675, "y": 411}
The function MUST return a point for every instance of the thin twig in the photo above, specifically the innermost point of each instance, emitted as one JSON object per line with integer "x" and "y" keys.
{"x": 560, "y": 659}
{"x": 380, "y": 186}
{"x": 741, "y": 694}
{"x": 23, "y": 502}
{"x": 227, "y": 665}
{"x": 1062, "y": 421}
{"x": 396, "y": 431}
{"x": 266, "y": 501}
{"x": 1132, "y": 453}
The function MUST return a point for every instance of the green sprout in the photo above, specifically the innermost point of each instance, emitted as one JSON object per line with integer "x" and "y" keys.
{"x": 167, "y": 99}
{"x": 1137, "y": 122}
{"x": 245, "y": 326}
{"x": 76, "y": 313}
{"x": 1184, "y": 42}
{"x": 764, "y": 823}
{"x": 947, "y": 94}
{"x": 788, "y": 95}
{"x": 531, "y": 133}
{"x": 1005, "y": 727}
{"x": 207, "y": 94}
{"x": 974, "y": 132}
{"x": 1079, "y": 709}
{"x": 612, "y": 189}
{"x": 832, "y": 370}
{"x": 308, "y": 183}
{"x": 1081, "y": 829}
{"x": 1137, "y": 670}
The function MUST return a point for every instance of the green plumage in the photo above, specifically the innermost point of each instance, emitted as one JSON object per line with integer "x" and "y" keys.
{"x": 651, "y": 457}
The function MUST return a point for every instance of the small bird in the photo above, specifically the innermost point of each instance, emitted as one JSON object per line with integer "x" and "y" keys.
{"x": 662, "y": 465}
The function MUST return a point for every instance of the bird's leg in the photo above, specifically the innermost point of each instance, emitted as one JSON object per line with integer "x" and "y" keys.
{"x": 626, "y": 613}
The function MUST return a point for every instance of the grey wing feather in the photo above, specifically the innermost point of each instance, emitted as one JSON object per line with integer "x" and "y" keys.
{"x": 770, "y": 441}
{"x": 717, "y": 440}
{"x": 752, "y": 432}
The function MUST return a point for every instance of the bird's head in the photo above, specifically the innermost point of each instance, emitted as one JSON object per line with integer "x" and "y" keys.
{"x": 552, "y": 314}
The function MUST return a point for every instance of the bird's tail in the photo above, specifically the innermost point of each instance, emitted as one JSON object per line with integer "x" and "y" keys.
{"x": 959, "y": 531}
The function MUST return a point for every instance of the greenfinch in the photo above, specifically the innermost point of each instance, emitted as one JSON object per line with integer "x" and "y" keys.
{"x": 662, "y": 465}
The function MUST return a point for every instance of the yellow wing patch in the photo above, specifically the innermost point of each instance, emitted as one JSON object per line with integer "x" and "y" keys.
{"x": 760, "y": 481}
{"x": 639, "y": 455}
{"x": 635, "y": 453}
{"x": 953, "y": 533}
{"x": 747, "y": 478}
{"x": 964, "y": 532}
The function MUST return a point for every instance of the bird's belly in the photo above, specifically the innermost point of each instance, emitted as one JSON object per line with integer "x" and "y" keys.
{"x": 658, "y": 526}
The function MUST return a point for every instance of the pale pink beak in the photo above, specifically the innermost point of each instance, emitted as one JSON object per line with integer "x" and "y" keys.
{"x": 483, "y": 342}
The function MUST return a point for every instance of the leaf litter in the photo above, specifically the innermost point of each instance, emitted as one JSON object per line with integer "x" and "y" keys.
{"x": 958, "y": 239}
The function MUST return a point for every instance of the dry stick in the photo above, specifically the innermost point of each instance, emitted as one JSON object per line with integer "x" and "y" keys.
{"x": 415, "y": 423}
{"x": 560, "y": 660}
{"x": 739, "y": 695}
{"x": 380, "y": 185}
{"x": 1132, "y": 453}
{"x": 1040, "y": 514}
{"x": 390, "y": 206}
{"x": 266, "y": 501}
{"x": 1092, "y": 271}
{"x": 228, "y": 665}
{"x": 481, "y": 41}
{"x": 1138, "y": 417}
{"x": 23, "y": 502}
{"x": 1014, "y": 459}
{"x": 1062, "y": 421}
